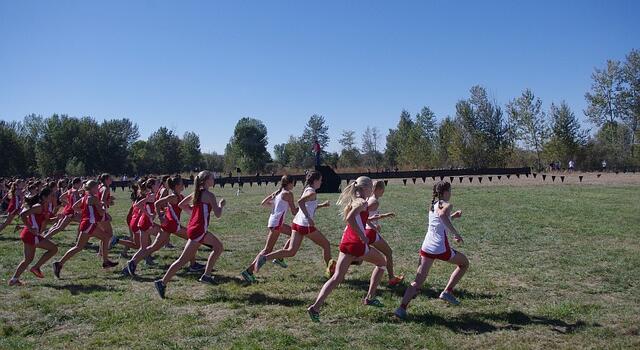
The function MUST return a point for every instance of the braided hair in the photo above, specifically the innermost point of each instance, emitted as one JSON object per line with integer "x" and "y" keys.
{"x": 439, "y": 188}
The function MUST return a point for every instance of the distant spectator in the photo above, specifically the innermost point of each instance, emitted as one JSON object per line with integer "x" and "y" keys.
{"x": 572, "y": 165}
{"x": 604, "y": 165}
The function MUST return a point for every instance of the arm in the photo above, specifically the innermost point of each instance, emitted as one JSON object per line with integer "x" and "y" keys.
{"x": 268, "y": 200}
{"x": 382, "y": 216}
{"x": 216, "y": 206}
{"x": 303, "y": 207}
{"x": 351, "y": 221}
{"x": 77, "y": 206}
{"x": 63, "y": 197}
{"x": 292, "y": 204}
{"x": 445, "y": 214}
{"x": 160, "y": 204}
{"x": 325, "y": 204}
{"x": 185, "y": 203}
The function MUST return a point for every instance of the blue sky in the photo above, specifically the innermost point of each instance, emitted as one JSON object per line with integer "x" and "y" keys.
{"x": 202, "y": 65}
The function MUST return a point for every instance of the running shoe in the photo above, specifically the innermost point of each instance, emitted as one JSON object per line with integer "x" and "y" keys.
{"x": 207, "y": 279}
{"x": 248, "y": 276}
{"x": 449, "y": 298}
{"x": 313, "y": 314}
{"x": 114, "y": 240}
{"x": 109, "y": 264}
{"x": 57, "y": 267}
{"x": 401, "y": 313}
{"x": 372, "y": 302}
{"x": 331, "y": 268}
{"x": 125, "y": 272}
{"x": 160, "y": 287}
{"x": 131, "y": 267}
{"x": 37, "y": 272}
{"x": 197, "y": 267}
{"x": 149, "y": 261}
{"x": 15, "y": 282}
{"x": 280, "y": 262}
{"x": 396, "y": 280}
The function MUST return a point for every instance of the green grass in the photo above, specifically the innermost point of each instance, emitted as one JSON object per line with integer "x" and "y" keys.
{"x": 551, "y": 266}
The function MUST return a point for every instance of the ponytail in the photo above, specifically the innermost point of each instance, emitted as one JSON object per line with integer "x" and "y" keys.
{"x": 199, "y": 181}
{"x": 284, "y": 182}
{"x": 351, "y": 195}
{"x": 103, "y": 178}
{"x": 172, "y": 182}
{"x": 439, "y": 188}
{"x": 312, "y": 176}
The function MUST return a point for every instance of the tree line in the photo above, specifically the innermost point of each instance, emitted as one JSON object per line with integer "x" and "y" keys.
{"x": 481, "y": 133}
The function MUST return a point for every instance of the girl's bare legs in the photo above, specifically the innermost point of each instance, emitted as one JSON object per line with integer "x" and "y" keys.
{"x": 318, "y": 238}
{"x": 59, "y": 226}
{"x": 384, "y": 248}
{"x": 287, "y": 252}
{"x": 211, "y": 240}
{"x": 51, "y": 249}
{"x": 376, "y": 258}
{"x": 344, "y": 261}
{"x": 272, "y": 239}
{"x": 463, "y": 264}
{"x": 83, "y": 238}
{"x": 189, "y": 252}
{"x": 104, "y": 238}
{"x": 421, "y": 276}
{"x": 29, "y": 253}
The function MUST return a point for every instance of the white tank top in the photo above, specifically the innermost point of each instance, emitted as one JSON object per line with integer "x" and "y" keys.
{"x": 300, "y": 218}
{"x": 278, "y": 211}
{"x": 436, "y": 237}
{"x": 373, "y": 223}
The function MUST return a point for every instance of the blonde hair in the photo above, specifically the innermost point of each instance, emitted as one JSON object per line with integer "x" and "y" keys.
{"x": 351, "y": 195}
{"x": 199, "y": 185}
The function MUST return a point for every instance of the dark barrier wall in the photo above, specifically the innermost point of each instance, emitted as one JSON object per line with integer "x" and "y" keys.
{"x": 331, "y": 180}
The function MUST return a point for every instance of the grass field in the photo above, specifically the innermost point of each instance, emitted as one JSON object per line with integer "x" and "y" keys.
{"x": 554, "y": 266}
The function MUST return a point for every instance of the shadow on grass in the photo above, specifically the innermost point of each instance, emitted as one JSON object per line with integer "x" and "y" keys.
{"x": 255, "y": 298}
{"x": 399, "y": 290}
{"x": 6, "y": 237}
{"x": 477, "y": 323}
{"x": 76, "y": 289}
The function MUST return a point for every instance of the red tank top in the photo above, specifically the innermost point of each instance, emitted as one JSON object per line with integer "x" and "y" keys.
{"x": 71, "y": 200}
{"x": 350, "y": 234}
{"x": 89, "y": 212}
{"x": 172, "y": 211}
{"x": 199, "y": 221}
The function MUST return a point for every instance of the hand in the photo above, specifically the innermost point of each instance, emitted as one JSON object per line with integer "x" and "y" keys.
{"x": 458, "y": 239}
{"x": 325, "y": 204}
{"x": 365, "y": 240}
{"x": 312, "y": 223}
{"x": 222, "y": 203}
{"x": 457, "y": 214}
{"x": 390, "y": 215}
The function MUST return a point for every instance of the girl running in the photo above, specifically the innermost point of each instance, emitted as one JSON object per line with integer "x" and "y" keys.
{"x": 34, "y": 217}
{"x": 16, "y": 196}
{"x": 280, "y": 202}
{"x": 304, "y": 226}
{"x": 373, "y": 230}
{"x": 169, "y": 205}
{"x": 92, "y": 212}
{"x": 436, "y": 247}
{"x": 201, "y": 203}
{"x": 68, "y": 198}
{"x": 354, "y": 245}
